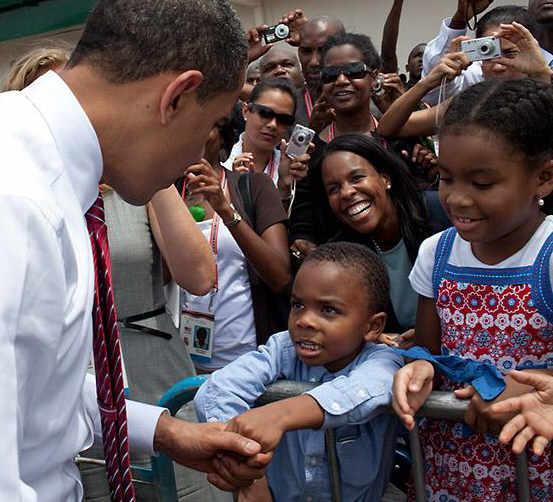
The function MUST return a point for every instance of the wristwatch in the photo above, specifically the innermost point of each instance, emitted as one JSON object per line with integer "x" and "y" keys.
{"x": 236, "y": 218}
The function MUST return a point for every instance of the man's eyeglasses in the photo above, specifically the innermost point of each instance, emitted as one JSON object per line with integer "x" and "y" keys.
{"x": 268, "y": 113}
{"x": 352, "y": 71}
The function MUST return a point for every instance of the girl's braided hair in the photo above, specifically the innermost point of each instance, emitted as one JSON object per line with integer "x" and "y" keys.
{"x": 520, "y": 111}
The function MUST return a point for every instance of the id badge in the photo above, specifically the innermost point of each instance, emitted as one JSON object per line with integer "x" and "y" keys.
{"x": 197, "y": 329}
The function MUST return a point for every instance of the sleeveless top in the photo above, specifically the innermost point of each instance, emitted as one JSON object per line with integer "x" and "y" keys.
{"x": 504, "y": 316}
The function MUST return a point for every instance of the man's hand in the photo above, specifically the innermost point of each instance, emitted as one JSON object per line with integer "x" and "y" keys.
{"x": 256, "y": 46}
{"x": 412, "y": 386}
{"x": 198, "y": 446}
{"x": 295, "y": 20}
{"x": 466, "y": 10}
{"x": 479, "y": 414}
{"x": 534, "y": 413}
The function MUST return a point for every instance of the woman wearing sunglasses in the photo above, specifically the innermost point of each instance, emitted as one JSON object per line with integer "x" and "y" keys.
{"x": 350, "y": 68}
{"x": 269, "y": 115}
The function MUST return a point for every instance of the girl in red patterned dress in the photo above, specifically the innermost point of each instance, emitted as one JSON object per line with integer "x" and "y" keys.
{"x": 485, "y": 284}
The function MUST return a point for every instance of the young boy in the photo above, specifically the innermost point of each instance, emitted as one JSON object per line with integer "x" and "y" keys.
{"x": 339, "y": 301}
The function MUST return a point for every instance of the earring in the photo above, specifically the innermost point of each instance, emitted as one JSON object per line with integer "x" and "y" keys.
{"x": 388, "y": 186}
{"x": 541, "y": 202}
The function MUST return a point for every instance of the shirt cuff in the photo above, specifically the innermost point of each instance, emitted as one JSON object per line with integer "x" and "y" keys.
{"x": 451, "y": 33}
{"x": 142, "y": 421}
{"x": 341, "y": 396}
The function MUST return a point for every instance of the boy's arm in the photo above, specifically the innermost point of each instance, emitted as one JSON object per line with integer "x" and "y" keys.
{"x": 235, "y": 388}
{"x": 267, "y": 424}
{"x": 363, "y": 394}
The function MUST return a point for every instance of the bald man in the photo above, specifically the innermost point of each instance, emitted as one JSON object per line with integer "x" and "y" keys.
{"x": 313, "y": 35}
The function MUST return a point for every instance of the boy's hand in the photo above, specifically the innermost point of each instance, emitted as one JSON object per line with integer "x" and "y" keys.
{"x": 412, "y": 386}
{"x": 268, "y": 423}
{"x": 264, "y": 423}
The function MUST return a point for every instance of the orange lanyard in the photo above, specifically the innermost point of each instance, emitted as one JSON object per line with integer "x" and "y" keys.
{"x": 214, "y": 234}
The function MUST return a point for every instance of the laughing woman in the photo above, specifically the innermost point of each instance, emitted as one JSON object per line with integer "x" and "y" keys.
{"x": 375, "y": 201}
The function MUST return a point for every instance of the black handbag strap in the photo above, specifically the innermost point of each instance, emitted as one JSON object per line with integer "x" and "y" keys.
{"x": 245, "y": 189}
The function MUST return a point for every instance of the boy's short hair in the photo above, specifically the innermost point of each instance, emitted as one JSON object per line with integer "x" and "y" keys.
{"x": 364, "y": 262}
{"x": 131, "y": 40}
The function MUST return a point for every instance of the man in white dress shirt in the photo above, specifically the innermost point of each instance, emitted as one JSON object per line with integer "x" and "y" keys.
{"x": 133, "y": 107}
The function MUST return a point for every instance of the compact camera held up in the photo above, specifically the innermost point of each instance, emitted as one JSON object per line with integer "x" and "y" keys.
{"x": 481, "y": 49}
{"x": 378, "y": 85}
{"x": 276, "y": 33}
{"x": 299, "y": 141}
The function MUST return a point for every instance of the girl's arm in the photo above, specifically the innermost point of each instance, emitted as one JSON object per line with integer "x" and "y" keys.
{"x": 427, "y": 330}
{"x": 183, "y": 246}
{"x": 402, "y": 119}
{"x": 267, "y": 253}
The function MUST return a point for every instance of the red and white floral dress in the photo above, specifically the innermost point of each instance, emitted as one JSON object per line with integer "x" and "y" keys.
{"x": 502, "y": 315}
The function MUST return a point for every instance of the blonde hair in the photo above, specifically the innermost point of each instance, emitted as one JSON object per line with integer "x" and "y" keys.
{"x": 32, "y": 65}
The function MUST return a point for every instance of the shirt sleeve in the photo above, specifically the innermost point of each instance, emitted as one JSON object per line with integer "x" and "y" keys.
{"x": 421, "y": 274}
{"x": 31, "y": 272}
{"x": 434, "y": 51}
{"x": 365, "y": 393}
{"x": 234, "y": 389}
{"x": 267, "y": 203}
{"x": 142, "y": 420}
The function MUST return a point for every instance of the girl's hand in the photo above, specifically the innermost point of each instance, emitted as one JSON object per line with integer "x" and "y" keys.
{"x": 244, "y": 162}
{"x": 450, "y": 66}
{"x": 202, "y": 179}
{"x": 412, "y": 386}
{"x": 530, "y": 58}
{"x": 534, "y": 413}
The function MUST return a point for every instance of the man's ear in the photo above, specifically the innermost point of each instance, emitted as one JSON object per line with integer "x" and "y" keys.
{"x": 375, "y": 326}
{"x": 186, "y": 83}
{"x": 545, "y": 179}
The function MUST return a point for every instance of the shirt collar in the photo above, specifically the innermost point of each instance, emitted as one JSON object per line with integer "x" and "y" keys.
{"x": 73, "y": 133}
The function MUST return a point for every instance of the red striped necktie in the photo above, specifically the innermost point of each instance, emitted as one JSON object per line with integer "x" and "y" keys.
{"x": 107, "y": 362}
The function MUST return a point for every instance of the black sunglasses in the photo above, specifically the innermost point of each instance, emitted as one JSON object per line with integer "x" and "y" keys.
{"x": 267, "y": 113}
{"x": 353, "y": 71}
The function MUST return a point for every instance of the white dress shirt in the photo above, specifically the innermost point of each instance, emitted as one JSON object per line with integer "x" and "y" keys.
{"x": 435, "y": 50}
{"x": 51, "y": 167}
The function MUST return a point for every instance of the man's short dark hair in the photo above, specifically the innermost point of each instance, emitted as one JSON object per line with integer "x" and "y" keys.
{"x": 362, "y": 261}
{"x": 130, "y": 40}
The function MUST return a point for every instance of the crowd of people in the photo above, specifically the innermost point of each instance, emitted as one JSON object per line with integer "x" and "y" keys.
{"x": 413, "y": 219}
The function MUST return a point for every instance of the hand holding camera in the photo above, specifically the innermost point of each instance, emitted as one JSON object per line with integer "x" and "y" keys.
{"x": 530, "y": 58}
{"x": 295, "y": 19}
{"x": 450, "y": 66}
{"x": 322, "y": 115}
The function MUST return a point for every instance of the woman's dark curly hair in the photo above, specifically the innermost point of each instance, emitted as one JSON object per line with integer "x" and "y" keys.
{"x": 362, "y": 43}
{"x": 407, "y": 199}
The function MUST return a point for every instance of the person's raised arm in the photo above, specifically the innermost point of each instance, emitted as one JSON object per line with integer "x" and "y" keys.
{"x": 389, "y": 38}
{"x": 266, "y": 253}
{"x": 183, "y": 246}
{"x": 402, "y": 119}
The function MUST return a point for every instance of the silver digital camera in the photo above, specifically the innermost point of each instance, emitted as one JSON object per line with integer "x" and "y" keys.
{"x": 299, "y": 141}
{"x": 480, "y": 49}
{"x": 276, "y": 33}
{"x": 378, "y": 85}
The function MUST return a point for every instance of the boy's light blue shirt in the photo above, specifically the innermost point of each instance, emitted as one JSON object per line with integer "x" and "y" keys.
{"x": 354, "y": 401}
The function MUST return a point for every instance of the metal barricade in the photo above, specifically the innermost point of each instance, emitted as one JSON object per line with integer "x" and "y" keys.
{"x": 439, "y": 405}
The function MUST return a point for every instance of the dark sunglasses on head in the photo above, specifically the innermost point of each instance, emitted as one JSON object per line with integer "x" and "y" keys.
{"x": 352, "y": 71}
{"x": 267, "y": 113}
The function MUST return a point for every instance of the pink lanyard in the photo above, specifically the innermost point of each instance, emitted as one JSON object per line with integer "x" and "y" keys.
{"x": 271, "y": 167}
{"x": 332, "y": 129}
{"x": 308, "y": 103}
